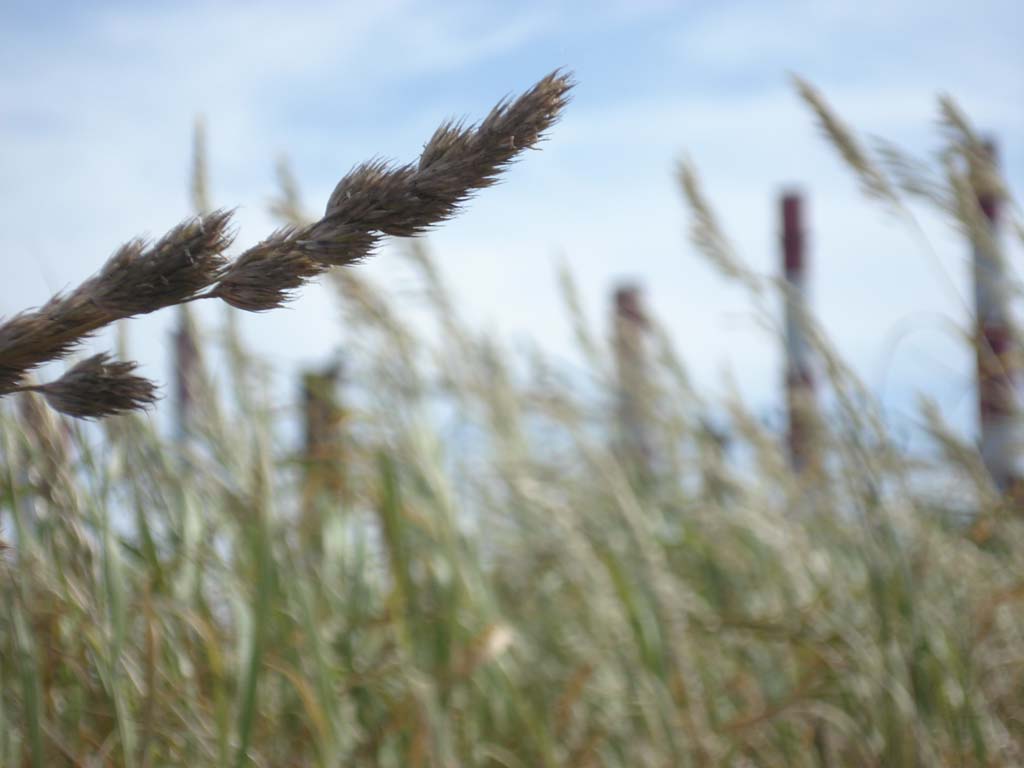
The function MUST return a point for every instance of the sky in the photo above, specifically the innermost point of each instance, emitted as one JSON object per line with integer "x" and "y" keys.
{"x": 98, "y": 102}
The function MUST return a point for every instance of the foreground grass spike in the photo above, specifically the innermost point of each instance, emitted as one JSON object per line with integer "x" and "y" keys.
{"x": 96, "y": 387}
{"x": 457, "y": 161}
{"x": 139, "y": 278}
{"x": 374, "y": 200}
{"x": 267, "y": 275}
{"x": 705, "y": 229}
{"x": 378, "y": 198}
{"x": 31, "y": 338}
{"x": 843, "y": 139}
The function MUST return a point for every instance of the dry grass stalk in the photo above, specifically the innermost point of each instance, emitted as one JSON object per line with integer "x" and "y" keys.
{"x": 964, "y": 140}
{"x": 958, "y": 453}
{"x": 96, "y": 387}
{"x": 971, "y": 172}
{"x": 966, "y": 208}
{"x": 47, "y": 448}
{"x": 706, "y": 232}
{"x": 843, "y": 139}
{"x": 364, "y": 302}
{"x": 913, "y": 176}
{"x": 590, "y": 347}
{"x": 137, "y": 279}
{"x": 268, "y": 274}
{"x": 375, "y": 199}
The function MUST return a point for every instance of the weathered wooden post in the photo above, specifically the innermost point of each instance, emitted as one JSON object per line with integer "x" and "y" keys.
{"x": 801, "y": 393}
{"x": 801, "y": 402}
{"x": 995, "y": 343}
{"x": 630, "y": 339}
{"x": 323, "y": 439}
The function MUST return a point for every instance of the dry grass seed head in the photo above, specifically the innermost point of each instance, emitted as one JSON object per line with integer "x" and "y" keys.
{"x": 32, "y": 338}
{"x": 266, "y": 275}
{"x": 137, "y": 279}
{"x": 98, "y": 386}
{"x": 457, "y": 161}
{"x": 872, "y": 179}
{"x": 706, "y": 232}
{"x": 379, "y": 198}
{"x": 375, "y": 199}
{"x": 140, "y": 279}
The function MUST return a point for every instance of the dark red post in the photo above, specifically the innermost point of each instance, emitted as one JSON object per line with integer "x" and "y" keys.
{"x": 998, "y": 410}
{"x": 800, "y": 385}
{"x": 630, "y": 331}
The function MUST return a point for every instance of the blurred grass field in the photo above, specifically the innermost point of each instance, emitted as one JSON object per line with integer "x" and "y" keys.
{"x": 481, "y": 574}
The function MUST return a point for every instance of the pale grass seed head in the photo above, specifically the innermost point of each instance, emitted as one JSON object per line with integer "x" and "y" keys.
{"x": 843, "y": 139}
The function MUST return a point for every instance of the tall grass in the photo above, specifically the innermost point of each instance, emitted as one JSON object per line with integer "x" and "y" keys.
{"x": 497, "y": 588}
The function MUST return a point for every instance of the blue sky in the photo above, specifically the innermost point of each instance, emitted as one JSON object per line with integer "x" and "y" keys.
{"x": 98, "y": 102}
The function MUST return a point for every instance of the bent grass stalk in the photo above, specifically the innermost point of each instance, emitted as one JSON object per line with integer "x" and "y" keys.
{"x": 373, "y": 200}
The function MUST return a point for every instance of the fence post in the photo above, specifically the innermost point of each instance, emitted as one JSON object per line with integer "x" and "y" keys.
{"x": 185, "y": 367}
{"x": 630, "y": 331}
{"x": 998, "y": 409}
{"x": 800, "y": 385}
{"x": 323, "y": 442}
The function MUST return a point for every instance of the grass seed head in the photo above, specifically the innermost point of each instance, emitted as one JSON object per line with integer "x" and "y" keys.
{"x": 99, "y": 386}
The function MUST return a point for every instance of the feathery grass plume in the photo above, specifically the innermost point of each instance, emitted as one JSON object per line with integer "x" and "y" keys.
{"x": 34, "y": 337}
{"x": 378, "y": 198}
{"x": 373, "y": 200}
{"x": 142, "y": 278}
{"x": 707, "y": 233}
{"x": 364, "y": 302}
{"x": 462, "y": 346}
{"x": 982, "y": 171}
{"x": 588, "y": 345}
{"x": 966, "y": 208}
{"x": 456, "y": 162}
{"x": 958, "y": 453}
{"x": 956, "y": 123}
{"x": 913, "y": 176}
{"x": 196, "y": 411}
{"x": 872, "y": 179}
{"x": 96, "y": 387}
{"x": 137, "y": 279}
{"x": 368, "y": 302}
{"x": 47, "y": 449}
{"x": 267, "y": 275}
{"x": 439, "y": 295}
